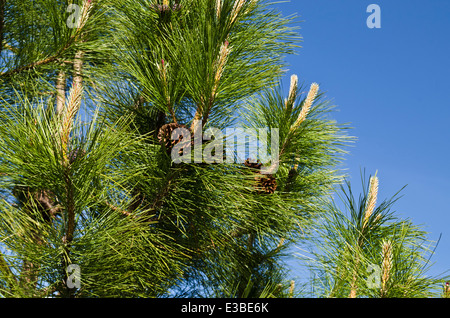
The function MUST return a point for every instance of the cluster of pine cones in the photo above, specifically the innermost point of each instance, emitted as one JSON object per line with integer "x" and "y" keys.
{"x": 266, "y": 184}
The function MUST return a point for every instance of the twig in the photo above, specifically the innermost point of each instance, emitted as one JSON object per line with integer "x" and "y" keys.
{"x": 116, "y": 209}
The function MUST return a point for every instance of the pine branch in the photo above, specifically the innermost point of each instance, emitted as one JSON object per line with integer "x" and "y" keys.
{"x": 307, "y": 105}
{"x": 369, "y": 209}
{"x": 60, "y": 92}
{"x": 205, "y": 105}
{"x": 117, "y": 209}
{"x": 77, "y": 68}
{"x": 45, "y": 61}
{"x": 28, "y": 277}
{"x": 73, "y": 39}
{"x": 69, "y": 116}
{"x": 70, "y": 113}
{"x": 353, "y": 286}
{"x": 218, "y": 8}
{"x": 70, "y": 206}
{"x": 164, "y": 192}
{"x": 371, "y": 200}
{"x": 292, "y": 93}
{"x": 289, "y": 102}
{"x": 386, "y": 267}
{"x": 236, "y": 10}
{"x": 76, "y": 92}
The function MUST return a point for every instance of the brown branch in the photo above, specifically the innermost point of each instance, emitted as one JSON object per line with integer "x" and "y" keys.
{"x": 69, "y": 115}
{"x": 29, "y": 66}
{"x": 70, "y": 112}
{"x": 60, "y": 92}
{"x": 77, "y": 68}
{"x": 70, "y": 210}
{"x": 28, "y": 275}
{"x": 68, "y": 237}
{"x": 210, "y": 104}
{"x": 116, "y": 209}
{"x": 159, "y": 200}
{"x": 198, "y": 115}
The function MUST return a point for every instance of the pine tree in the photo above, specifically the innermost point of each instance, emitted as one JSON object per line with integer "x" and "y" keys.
{"x": 94, "y": 205}
{"x": 91, "y": 92}
{"x": 364, "y": 249}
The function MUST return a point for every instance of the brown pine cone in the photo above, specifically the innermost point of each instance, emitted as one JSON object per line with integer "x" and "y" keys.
{"x": 267, "y": 184}
{"x": 253, "y": 165}
{"x": 165, "y": 134}
{"x": 160, "y": 7}
{"x": 164, "y": 10}
{"x": 264, "y": 183}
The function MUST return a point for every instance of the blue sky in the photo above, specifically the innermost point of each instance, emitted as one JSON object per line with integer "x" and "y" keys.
{"x": 392, "y": 85}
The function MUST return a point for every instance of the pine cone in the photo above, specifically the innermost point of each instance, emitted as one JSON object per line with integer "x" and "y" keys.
{"x": 264, "y": 183}
{"x": 253, "y": 165}
{"x": 267, "y": 184}
{"x": 165, "y": 134}
{"x": 165, "y": 10}
{"x": 161, "y": 8}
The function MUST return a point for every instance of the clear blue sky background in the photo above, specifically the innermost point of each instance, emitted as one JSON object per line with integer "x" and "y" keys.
{"x": 393, "y": 86}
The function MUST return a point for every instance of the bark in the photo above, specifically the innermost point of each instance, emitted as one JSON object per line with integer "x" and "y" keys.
{"x": 77, "y": 69}
{"x": 60, "y": 92}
